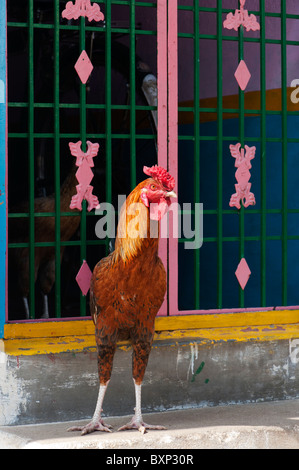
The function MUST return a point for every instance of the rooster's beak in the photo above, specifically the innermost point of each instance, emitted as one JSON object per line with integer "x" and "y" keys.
{"x": 171, "y": 194}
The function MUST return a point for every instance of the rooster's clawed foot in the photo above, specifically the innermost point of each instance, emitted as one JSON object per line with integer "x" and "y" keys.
{"x": 92, "y": 427}
{"x": 140, "y": 425}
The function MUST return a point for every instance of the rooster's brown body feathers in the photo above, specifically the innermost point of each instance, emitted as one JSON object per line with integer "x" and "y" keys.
{"x": 127, "y": 291}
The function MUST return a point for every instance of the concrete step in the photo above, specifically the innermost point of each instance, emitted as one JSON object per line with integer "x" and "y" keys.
{"x": 270, "y": 425}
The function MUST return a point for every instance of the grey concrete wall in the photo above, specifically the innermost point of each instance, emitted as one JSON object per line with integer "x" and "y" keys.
{"x": 61, "y": 387}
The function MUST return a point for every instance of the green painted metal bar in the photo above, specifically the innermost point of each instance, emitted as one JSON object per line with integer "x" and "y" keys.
{"x": 186, "y": 109}
{"x": 57, "y": 161}
{"x": 31, "y": 158}
{"x": 102, "y": 242}
{"x": 83, "y": 146}
{"x": 77, "y": 106}
{"x": 284, "y": 271}
{"x": 219, "y": 156}
{"x": 132, "y": 96}
{"x": 24, "y": 215}
{"x": 242, "y": 141}
{"x": 263, "y": 155}
{"x": 196, "y": 143}
{"x": 108, "y": 117}
{"x": 24, "y": 135}
{"x": 52, "y": 244}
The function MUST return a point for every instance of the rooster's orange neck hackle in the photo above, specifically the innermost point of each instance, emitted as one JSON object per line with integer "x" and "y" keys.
{"x": 136, "y": 233}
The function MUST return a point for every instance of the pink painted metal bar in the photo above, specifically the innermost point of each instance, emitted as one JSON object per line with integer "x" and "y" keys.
{"x": 173, "y": 146}
{"x": 3, "y": 11}
{"x": 162, "y": 111}
{"x": 187, "y": 312}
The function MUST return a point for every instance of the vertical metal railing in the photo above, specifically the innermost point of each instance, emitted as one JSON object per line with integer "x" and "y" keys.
{"x": 263, "y": 147}
{"x": 83, "y": 136}
{"x": 3, "y": 171}
{"x": 31, "y": 157}
{"x": 196, "y": 117}
{"x": 108, "y": 116}
{"x": 219, "y": 156}
{"x": 242, "y": 142}
{"x": 284, "y": 173}
{"x": 56, "y": 70}
{"x": 132, "y": 96}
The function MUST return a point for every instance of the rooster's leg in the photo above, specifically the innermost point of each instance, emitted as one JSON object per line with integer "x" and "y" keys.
{"x": 96, "y": 423}
{"x": 137, "y": 420}
{"x": 105, "y": 360}
{"x": 26, "y": 306}
{"x": 46, "y": 307}
{"x": 141, "y": 353}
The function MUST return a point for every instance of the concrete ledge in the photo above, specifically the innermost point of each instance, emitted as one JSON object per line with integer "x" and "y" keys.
{"x": 195, "y": 368}
{"x": 253, "y": 426}
{"x": 55, "y": 343}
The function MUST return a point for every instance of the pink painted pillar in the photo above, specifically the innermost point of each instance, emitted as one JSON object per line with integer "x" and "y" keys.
{"x": 173, "y": 148}
{"x": 162, "y": 111}
{"x": 168, "y": 130}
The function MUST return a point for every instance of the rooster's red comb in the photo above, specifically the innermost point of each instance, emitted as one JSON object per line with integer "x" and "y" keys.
{"x": 161, "y": 175}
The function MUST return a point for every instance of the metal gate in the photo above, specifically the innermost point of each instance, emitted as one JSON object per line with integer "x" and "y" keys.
{"x": 49, "y": 107}
{"x": 237, "y": 148}
{"x": 203, "y": 108}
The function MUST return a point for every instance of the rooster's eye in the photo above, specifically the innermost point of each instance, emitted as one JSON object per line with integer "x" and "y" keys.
{"x": 153, "y": 187}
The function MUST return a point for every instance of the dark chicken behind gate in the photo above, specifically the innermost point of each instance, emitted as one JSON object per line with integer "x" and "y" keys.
{"x": 44, "y": 231}
{"x": 128, "y": 288}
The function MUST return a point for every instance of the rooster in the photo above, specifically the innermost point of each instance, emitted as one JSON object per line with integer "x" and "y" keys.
{"x": 127, "y": 289}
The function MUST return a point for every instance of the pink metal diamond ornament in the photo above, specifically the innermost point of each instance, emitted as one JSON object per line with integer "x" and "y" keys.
{"x": 82, "y": 8}
{"x": 243, "y": 273}
{"x": 83, "y": 278}
{"x": 83, "y": 67}
{"x": 84, "y": 174}
{"x": 242, "y": 75}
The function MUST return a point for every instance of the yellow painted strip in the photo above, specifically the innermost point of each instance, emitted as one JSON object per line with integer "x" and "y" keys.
{"x": 238, "y": 334}
{"x": 227, "y": 320}
{"x": 33, "y": 346}
{"x": 49, "y": 329}
{"x": 76, "y": 344}
{"x": 220, "y": 335}
{"x": 184, "y": 322}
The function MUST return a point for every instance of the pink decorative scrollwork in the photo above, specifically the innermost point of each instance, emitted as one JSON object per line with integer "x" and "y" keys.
{"x": 241, "y": 17}
{"x": 242, "y": 176}
{"x": 83, "y": 8}
{"x": 84, "y": 175}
